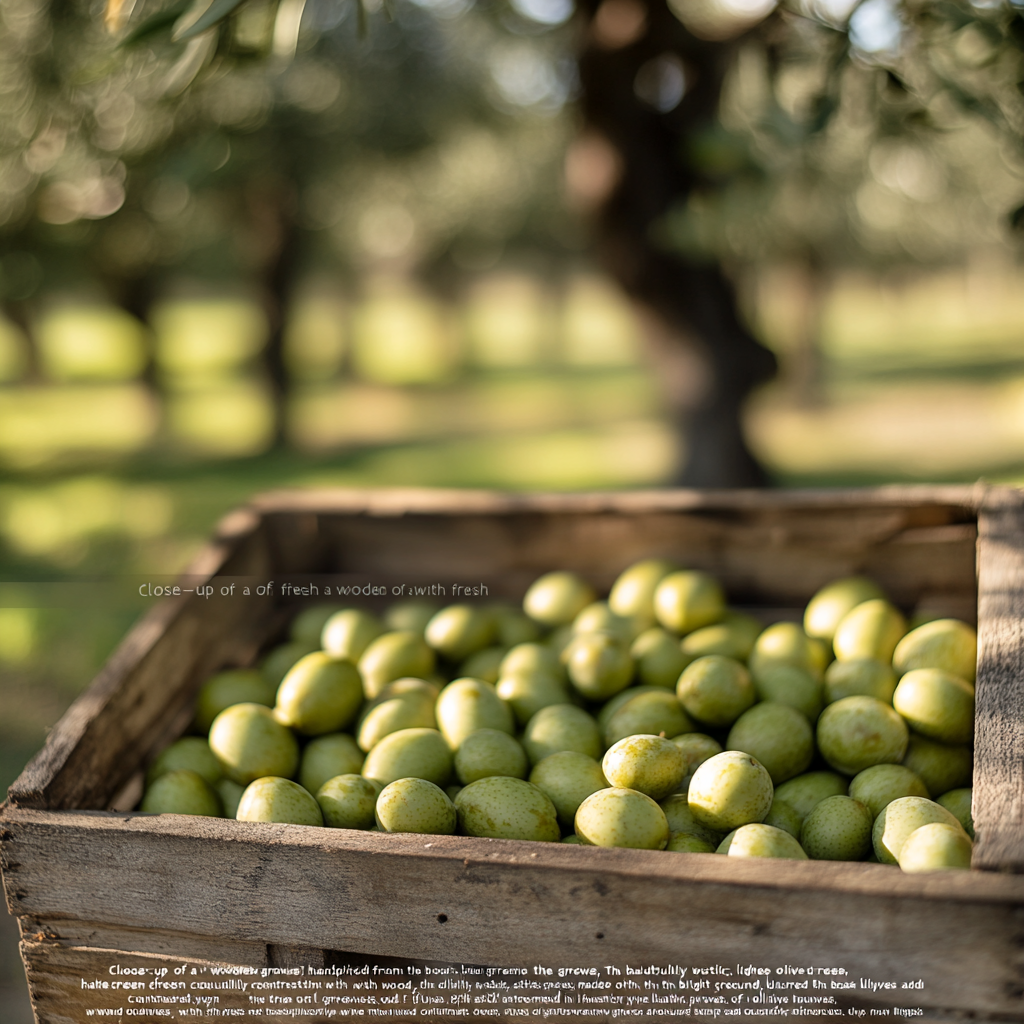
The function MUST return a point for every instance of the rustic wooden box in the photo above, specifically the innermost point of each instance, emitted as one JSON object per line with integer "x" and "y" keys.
{"x": 93, "y": 886}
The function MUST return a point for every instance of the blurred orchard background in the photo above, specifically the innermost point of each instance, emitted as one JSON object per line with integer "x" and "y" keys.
{"x": 485, "y": 243}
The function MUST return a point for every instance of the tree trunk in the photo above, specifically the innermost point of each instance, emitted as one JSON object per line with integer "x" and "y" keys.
{"x": 275, "y": 247}
{"x": 701, "y": 343}
{"x": 19, "y": 314}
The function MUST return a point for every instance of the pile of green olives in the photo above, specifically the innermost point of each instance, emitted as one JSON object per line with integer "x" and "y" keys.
{"x": 657, "y": 718}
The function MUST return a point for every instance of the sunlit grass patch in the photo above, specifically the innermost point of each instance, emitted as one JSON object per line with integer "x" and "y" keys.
{"x": 638, "y": 453}
{"x": 913, "y": 431}
{"x": 353, "y": 413}
{"x": 56, "y": 520}
{"x": 204, "y": 337}
{"x": 228, "y": 418}
{"x": 316, "y": 336}
{"x": 18, "y": 634}
{"x": 13, "y": 352}
{"x": 90, "y": 342}
{"x": 509, "y": 321}
{"x": 598, "y": 326}
{"x": 39, "y": 424}
{"x": 401, "y": 335}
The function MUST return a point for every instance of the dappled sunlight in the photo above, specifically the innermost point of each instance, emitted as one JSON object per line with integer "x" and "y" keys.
{"x": 13, "y": 352}
{"x": 231, "y": 418}
{"x": 631, "y": 454}
{"x": 18, "y": 634}
{"x": 316, "y": 338}
{"x": 207, "y": 337}
{"x": 364, "y": 414}
{"x": 508, "y": 321}
{"x": 401, "y": 336}
{"x": 59, "y": 520}
{"x": 964, "y": 314}
{"x": 599, "y": 327}
{"x": 47, "y": 424}
{"x": 86, "y": 342}
{"x": 916, "y": 431}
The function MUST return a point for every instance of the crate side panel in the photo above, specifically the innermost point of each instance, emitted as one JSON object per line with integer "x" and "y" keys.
{"x": 769, "y": 556}
{"x": 69, "y": 931}
{"x": 998, "y": 798}
{"x": 505, "y": 903}
{"x": 56, "y": 973}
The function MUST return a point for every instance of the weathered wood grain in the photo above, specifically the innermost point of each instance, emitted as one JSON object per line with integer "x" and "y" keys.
{"x": 999, "y": 718}
{"x": 775, "y": 550}
{"x": 56, "y": 973}
{"x": 517, "y": 904}
{"x": 69, "y": 931}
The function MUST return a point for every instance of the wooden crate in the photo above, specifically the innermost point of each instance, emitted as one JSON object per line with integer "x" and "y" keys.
{"x": 93, "y": 886}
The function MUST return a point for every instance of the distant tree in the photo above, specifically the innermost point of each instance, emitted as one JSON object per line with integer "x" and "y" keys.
{"x": 715, "y": 134}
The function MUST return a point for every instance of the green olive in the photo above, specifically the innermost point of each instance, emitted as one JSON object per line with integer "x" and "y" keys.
{"x": 561, "y": 727}
{"x": 659, "y": 658}
{"x": 320, "y": 694}
{"x": 459, "y": 630}
{"x": 415, "y": 805}
{"x": 488, "y": 752}
{"x": 686, "y": 600}
{"x": 402, "y": 704}
{"x": 648, "y": 764}
{"x": 778, "y": 736}
{"x": 839, "y": 828}
{"x": 623, "y": 818}
{"x": 657, "y": 713}
{"x": 327, "y": 756}
{"x": 599, "y": 665}
{"x": 280, "y": 800}
{"x": 466, "y": 705}
{"x": 871, "y": 630}
{"x": 394, "y": 656}
{"x": 410, "y": 753}
{"x": 309, "y": 623}
{"x": 251, "y": 743}
{"x": 190, "y": 752}
{"x": 557, "y": 598}
{"x": 632, "y": 594}
{"x": 829, "y": 605}
{"x": 504, "y": 808}
{"x": 568, "y": 778}
{"x": 348, "y": 633}
{"x": 715, "y": 690}
{"x": 347, "y": 801}
{"x": 946, "y": 644}
{"x": 235, "y": 686}
{"x": 181, "y": 791}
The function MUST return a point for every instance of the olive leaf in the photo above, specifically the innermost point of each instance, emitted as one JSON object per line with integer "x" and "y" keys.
{"x": 215, "y": 13}
{"x": 162, "y": 21}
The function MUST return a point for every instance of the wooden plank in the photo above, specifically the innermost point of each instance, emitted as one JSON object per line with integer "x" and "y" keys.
{"x": 59, "y": 975}
{"x": 139, "y": 701}
{"x": 516, "y": 904}
{"x": 57, "y": 969}
{"x": 761, "y": 556}
{"x": 999, "y": 724}
{"x": 400, "y": 502}
{"x": 69, "y": 931}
